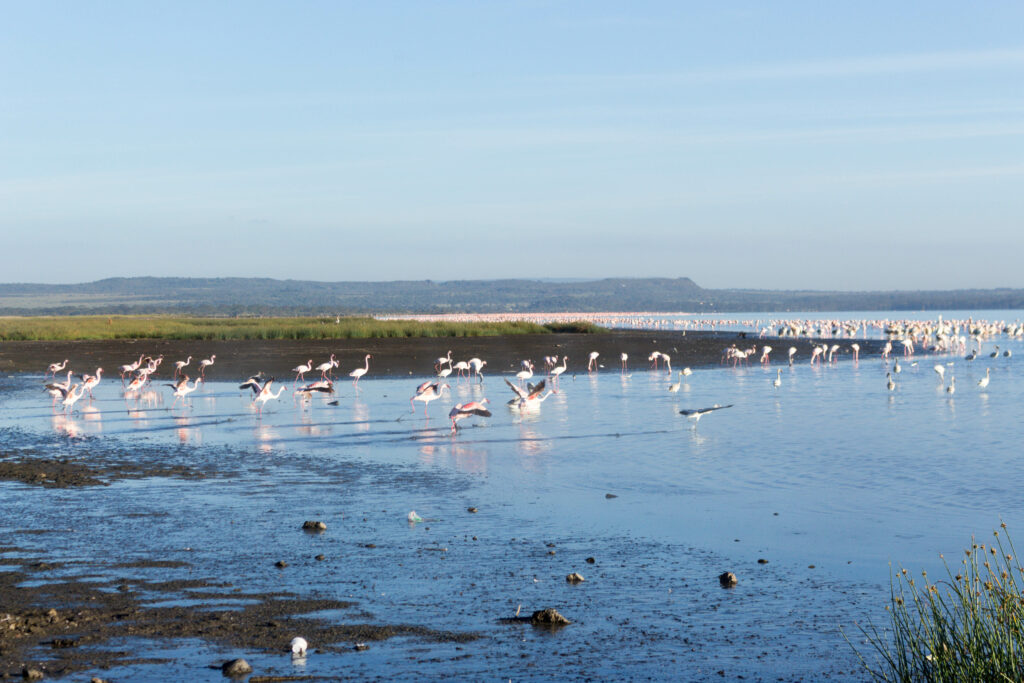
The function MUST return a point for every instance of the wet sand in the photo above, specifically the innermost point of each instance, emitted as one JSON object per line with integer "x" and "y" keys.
{"x": 402, "y": 356}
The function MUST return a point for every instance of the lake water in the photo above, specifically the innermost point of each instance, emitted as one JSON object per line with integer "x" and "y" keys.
{"x": 831, "y": 470}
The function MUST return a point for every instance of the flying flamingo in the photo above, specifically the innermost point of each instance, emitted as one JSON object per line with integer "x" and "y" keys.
{"x": 205, "y": 363}
{"x": 528, "y": 397}
{"x": 180, "y": 365}
{"x": 54, "y": 368}
{"x": 592, "y": 363}
{"x": 266, "y": 394}
{"x": 359, "y": 372}
{"x": 464, "y": 410}
{"x": 427, "y": 392}
{"x": 183, "y": 389}
{"x": 301, "y": 371}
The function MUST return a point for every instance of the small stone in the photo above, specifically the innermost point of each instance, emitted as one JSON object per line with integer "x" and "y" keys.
{"x": 314, "y": 525}
{"x": 810, "y": 566}
{"x": 236, "y": 667}
{"x": 575, "y": 578}
{"x": 609, "y": 496}
{"x": 471, "y": 509}
{"x": 361, "y": 647}
{"x": 96, "y": 679}
{"x": 52, "y": 615}
{"x": 321, "y": 558}
{"x": 280, "y": 564}
{"x": 591, "y": 560}
{"x": 762, "y": 561}
{"x": 30, "y": 674}
{"x": 551, "y": 552}
{"x": 548, "y": 617}
{"x": 727, "y": 579}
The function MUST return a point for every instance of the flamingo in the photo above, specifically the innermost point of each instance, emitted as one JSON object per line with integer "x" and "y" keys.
{"x": 301, "y": 371}
{"x": 475, "y": 366}
{"x": 592, "y": 363}
{"x": 183, "y": 389}
{"x": 59, "y": 389}
{"x": 792, "y": 352}
{"x": 983, "y": 382}
{"x": 674, "y": 388}
{"x": 951, "y": 389}
{"x": 90, "y": 381}
{"x": 832, "y": 352}
{"x": 556, "y": 372}
{"x": 464, "y": 410}
{"x": 462, "y": 366}
{"x": 526, "y": 374}
{"x": 205, "y": 363}
{"x": 653, "y": 358}
{"x": 359, "y": 372}
{"x": 896, "y": 367}
{"x": 668, "y": 363}
{"x": 136, "y": 384}
{"x": 528, "y": 397}
{"x": 815, "y": 354}
{"x": 252, "y": 383}
{"x": 778, "y": 379}
{"x": 886, "y": 350}
{"x": 764, "y": 355}
{"x": 72, "y": 397}
{"x": 130, "y": 367}
{"x": 426, "y": 393}
{"x": 54, "y": 368}
{"x": 686, "y": 372}
{"x": 624, "y": 357}
{"x": 324, "y": 368}
{"x": 266, "y": 394}
{"x": 442, "y": 360}
{"x": 443, "y": 374}
{"x": 856, "y": 351}
{"x": 890, "y": 385}
{"x": 940, "y": 371}
{"x": 179, "y": 365}
{"x": 322, "y": 386}
{"x": 698, "y": 413}
{"x": 994, "y": 354}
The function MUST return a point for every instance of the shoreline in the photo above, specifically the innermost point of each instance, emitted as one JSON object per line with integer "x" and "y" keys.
{"x": 414, "y": 356}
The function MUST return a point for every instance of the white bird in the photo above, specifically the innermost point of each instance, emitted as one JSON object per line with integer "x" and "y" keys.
{"x": 557, "y": 371}
{"x": 951, "y": 389}
{"x": 442, "y": 360}
{"x": 462, "y": 366}
{"x": 896, "y": 368}
{"x": 686, "y": 372}
{"x": 326, "y": 367}
{"x": 266, "y": 394}
{"x": 464, "y": 410}
{"x": 531, "y": 396}
{"x": 592, "y": 363}
{"x": 475, "y": 366}
{"x": 72, "y": 397}
{"x": 856, "y": 351}
{"x": 624, "y": 357}
{"x": 526, "y": 374}
{"x": 668, "y": 362}
{"x": 54, "y": 368}
{"x": 994, "y": 354}
{"x": 674, "y": 388}
{"x": 698, "y": 413}
{"x": 182, "y": 389}
{"x": 130, "y": 367}
{"x": 301, "y": 370}
{"x": 983, "y": 382}
{"x": 59, "y": 389}
{"x": 792, "y": 352}
{"x": 445, "y": 372}
{"x": 359, "y": 372}
{"x": 299, "y": 646}
{"x": 179, "y": 365}
{"x": 90, "y": 381}
{"x": 426, "y": 393}
{"x": 890, "y": 385}
{"x": 205, "y": 363}
{"x": 778, "y": 379}
{"x": 940, "y": 371}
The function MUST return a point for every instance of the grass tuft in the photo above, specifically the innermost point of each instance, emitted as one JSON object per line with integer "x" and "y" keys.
{"x": 966, "y": 627}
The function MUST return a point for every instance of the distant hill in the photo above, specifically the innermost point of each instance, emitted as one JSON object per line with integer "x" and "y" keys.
{"x": 262, "y": 296}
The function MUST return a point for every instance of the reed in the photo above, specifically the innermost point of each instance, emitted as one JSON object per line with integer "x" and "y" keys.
{"x": 966, "y": 627}
{"x": 77, "y": 328}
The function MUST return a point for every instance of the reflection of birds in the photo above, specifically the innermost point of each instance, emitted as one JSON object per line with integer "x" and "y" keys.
{"x": 463, "y": 410}
{"x": 698, "y": 413}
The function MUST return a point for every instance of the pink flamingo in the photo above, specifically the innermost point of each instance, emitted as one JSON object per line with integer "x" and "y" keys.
{"x": 427, "y": 392}
{"x": 463, "y": 410}
{"x": 359, "y": 372}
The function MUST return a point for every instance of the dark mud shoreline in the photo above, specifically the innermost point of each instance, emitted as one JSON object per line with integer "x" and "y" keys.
{"x": 403, "y": 356}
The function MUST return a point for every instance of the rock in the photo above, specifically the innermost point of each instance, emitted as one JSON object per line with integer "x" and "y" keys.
{"x": 280, "y": 564}
{"x": 591, "y": 560}
{"x": 30, "y": 674}
{"x": 609, "y": 496}
{"x": 52, "y": 615}
{"x": 471, "y": 509}
{"x": 548, "y": 617}
{"x": 313, "y": 525}
{"x": 575, "y": 578}
{"x": 236, "y": 667}
{"x": 321, "y": 558}
{"x": 727, "y": 579}
{"x": 551, "y": 552}
{"x": 96, "y": 679}
{"x": 762, "y": 561}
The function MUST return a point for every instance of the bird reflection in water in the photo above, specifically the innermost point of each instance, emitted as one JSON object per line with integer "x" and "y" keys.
{"x": 530, "y": 443}
{"x": 186, "y": 432}
{"x": 469, "y": 459}
{"x": 309, "y": 428}
{"x": 93, "y": 417}
{"x": 266, "y": 437}
{"x": 63, "y": 424}
{"x": 361, "y": 415}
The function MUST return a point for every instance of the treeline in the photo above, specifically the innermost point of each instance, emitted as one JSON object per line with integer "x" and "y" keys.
{"x": 267, "y": 297}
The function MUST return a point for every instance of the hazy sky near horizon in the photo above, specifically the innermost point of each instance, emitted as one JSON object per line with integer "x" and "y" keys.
{"x": 778, "y": 145}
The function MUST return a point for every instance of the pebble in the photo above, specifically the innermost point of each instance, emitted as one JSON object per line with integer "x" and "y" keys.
{"x": 591, "y": 560}
{"x": 575, "y": 578}
{"x": 31, "y": 674}
{"x": 321, "y": 558}
{"x": 280, "y": 564}
{"x": 609, "y": 496}
{"x": 471, "y": 509}
{"x": 314, "y": 525}
{"x": 548, "y": 617}
{"x": 727, "y": 579}
{"x": 762, "y": 561}
{"x": 236, "y": 667}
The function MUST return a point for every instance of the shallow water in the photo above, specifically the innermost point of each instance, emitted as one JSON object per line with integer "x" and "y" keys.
{"x": 831, "y": 470}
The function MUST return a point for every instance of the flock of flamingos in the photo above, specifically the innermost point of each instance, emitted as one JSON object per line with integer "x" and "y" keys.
{"x": 937, "y": 337}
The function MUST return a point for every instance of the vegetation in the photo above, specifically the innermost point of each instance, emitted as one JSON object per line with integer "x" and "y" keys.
{"x": 968, "y": 627}
{"x": 69, "y": 328}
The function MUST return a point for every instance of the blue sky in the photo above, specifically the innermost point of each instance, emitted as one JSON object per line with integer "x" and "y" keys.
{"x": 742, "y": 144}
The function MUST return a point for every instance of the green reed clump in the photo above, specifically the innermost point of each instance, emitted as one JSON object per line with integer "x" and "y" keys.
{"x": 967, "y": 627}
{"x": 73, "y": 328}
{"x": 575, "y": 327}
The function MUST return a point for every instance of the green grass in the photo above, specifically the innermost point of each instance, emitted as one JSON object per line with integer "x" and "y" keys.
{"x": 74, "y": 328}
{"x": 965, "y": 627}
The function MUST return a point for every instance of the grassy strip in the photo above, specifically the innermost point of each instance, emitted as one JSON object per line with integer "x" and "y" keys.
{"x": 967, "y": 627}
{"x": 76, "y": 328}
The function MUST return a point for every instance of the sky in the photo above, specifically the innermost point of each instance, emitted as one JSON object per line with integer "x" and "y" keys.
{"x": 774, "y": 145}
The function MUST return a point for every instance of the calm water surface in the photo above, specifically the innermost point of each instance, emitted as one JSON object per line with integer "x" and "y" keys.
{"x": 831, "y": 470}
